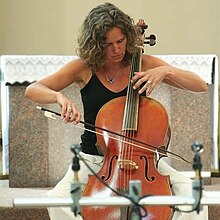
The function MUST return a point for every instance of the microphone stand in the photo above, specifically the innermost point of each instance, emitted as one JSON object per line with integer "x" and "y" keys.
{"x": 76, "y": 185}
{"x": 197, "y": 182}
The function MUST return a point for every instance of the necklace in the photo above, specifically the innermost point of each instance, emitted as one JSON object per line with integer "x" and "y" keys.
{"x": 112, "y": 80}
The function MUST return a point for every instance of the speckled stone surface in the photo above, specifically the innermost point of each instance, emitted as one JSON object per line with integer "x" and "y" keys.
{"x": 190, "y": 120}
{"x": 23, "y": 214}
{"x": 40, "y": 147}
{"x": 28, "y": 138}
{"x": 60, "y": 138}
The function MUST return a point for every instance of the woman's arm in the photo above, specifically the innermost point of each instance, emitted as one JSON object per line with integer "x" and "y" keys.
{"x": 48, "y": 90}
{"x": 155, "y": 70}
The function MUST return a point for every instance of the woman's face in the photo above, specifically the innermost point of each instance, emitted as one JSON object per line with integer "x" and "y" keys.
{"x": 115, "y": 45}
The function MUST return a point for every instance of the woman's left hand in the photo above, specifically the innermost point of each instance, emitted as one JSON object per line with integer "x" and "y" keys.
{"x": 147, "y": 80}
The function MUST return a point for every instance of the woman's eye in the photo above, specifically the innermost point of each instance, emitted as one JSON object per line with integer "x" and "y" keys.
{"x": 120, "y": 41}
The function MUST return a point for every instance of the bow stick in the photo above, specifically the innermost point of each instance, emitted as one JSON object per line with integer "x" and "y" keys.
{"x": 50, "y": 114}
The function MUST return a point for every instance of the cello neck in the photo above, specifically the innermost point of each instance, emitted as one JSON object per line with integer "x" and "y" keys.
{"x": 132, "y": 99}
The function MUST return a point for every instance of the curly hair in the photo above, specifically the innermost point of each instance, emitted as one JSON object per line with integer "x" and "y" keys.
{"x": 91, "y": 40}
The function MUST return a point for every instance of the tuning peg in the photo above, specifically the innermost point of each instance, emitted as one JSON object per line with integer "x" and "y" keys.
{"x": 151, "y": 40}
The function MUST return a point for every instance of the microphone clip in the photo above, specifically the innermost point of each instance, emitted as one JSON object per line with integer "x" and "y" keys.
{"x": 76, "y": 191}
{"x": 197, "y": 182}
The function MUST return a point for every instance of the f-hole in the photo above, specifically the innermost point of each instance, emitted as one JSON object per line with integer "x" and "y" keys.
{"x": 152, "y": 178}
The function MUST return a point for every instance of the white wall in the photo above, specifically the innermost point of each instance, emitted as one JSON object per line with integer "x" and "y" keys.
{"x": 51, "y": 26}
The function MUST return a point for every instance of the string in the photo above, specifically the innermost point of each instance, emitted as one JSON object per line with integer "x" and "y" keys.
{"x": 132, "y": 112}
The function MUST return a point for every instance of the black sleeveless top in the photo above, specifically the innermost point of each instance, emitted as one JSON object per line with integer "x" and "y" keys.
{"x": 94, "y": 95}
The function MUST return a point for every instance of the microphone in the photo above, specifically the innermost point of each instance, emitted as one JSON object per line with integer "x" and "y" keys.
{"x": 197, "y": 147}
{"x": 75, "y": 185}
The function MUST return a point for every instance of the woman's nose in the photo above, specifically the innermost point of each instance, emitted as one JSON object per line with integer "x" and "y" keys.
{"x": 116, "y": 48}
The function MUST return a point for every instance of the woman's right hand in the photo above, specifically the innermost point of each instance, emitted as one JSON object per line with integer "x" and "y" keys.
{"x": 69, "y": 111}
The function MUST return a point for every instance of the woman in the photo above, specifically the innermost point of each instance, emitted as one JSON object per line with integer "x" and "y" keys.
{"x": 107, "y": 41}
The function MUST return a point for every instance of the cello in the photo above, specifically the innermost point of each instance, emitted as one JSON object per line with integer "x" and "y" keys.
{"x": 138, "y": 118}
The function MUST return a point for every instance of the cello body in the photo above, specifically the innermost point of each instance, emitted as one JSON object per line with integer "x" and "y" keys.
{"x": 124, "y": 162}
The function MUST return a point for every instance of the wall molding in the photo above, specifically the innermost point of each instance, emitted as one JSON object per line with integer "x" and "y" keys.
{"x": 21, "y": 68}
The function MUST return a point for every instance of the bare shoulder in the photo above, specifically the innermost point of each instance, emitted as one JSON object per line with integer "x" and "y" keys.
{"x": 76, "y": 67}
{"x": 73, "y": 71}
{"x": 149, "y": 61}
